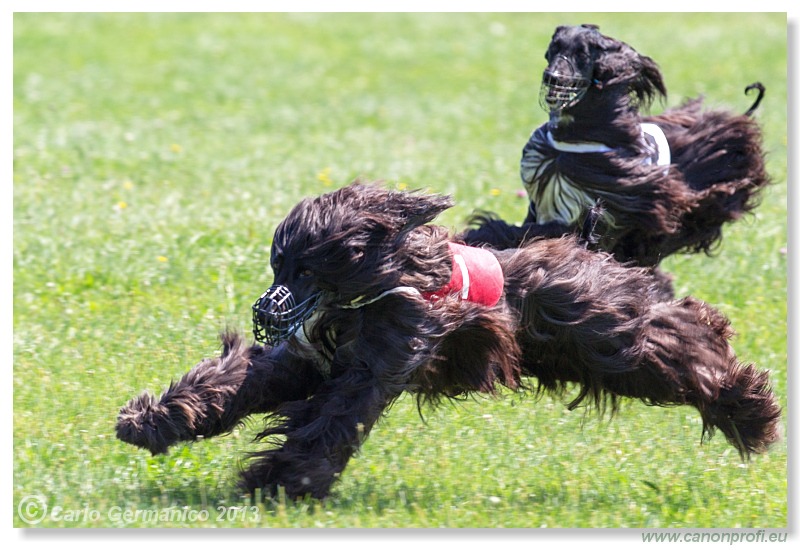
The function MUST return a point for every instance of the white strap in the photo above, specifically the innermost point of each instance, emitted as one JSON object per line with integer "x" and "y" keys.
{"x": 462, "y": 265}
{"x": 579, "y": 147}
{"x": 662, "y": 152}
{"x": 358, "y": 303}
{"x": 662, "y": 146}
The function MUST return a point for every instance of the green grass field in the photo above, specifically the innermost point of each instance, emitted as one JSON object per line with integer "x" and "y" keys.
{"x": 154, "y": 156}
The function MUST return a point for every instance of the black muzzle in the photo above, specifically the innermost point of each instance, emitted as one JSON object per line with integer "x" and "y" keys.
{"x": 560, "y": 91}
{"x": 276, "y": 316}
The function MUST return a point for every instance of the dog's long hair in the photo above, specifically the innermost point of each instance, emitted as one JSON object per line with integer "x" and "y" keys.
{"x": 567, "y": 317}
{"x": 598, "y": 148}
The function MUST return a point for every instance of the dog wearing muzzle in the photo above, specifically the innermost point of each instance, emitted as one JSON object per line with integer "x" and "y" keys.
{"x": 666, "y": 183}
{"x": 369, "y": 300}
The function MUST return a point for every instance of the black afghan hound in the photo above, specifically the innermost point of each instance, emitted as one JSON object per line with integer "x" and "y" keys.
{"x": 666, "y": 183}
{"x": 369, "y": 301}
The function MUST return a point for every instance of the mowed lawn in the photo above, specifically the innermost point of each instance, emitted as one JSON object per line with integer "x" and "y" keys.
{"x": 154, "y": 156}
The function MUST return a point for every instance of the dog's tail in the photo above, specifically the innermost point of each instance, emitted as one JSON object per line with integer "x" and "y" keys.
{"x": 755, "y": 86}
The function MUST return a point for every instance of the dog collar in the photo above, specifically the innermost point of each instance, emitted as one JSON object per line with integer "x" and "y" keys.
{"x": 652, "y": 135}
{"x": 476, "y": 276}
{"x": 362, "y": 301}
{"x": 577, "y": 147}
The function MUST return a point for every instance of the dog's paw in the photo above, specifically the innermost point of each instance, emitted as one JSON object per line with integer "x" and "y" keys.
{"x": 296, "y": 476}
{"x": 594, "y": 215}
{"x": 146, "y": 423}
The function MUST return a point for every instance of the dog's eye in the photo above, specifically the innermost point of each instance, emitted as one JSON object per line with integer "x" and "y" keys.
{"x": 276, "y": 262}
{"x": 304, "y": 273}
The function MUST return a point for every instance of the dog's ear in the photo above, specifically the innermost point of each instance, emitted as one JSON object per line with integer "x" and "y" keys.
{"x": 619, "y": 63}
{"x": 650, "y": 84}
{"x": 401, "y": 211}
{"x": 423, "y": 208}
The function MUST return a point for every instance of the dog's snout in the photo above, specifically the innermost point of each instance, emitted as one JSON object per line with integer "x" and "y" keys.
{"x": 563, "y": 86}
{"x": 562, "y": 65}
{"x": 277, "y": 316}
{"x": 259, "y": 317}
{"x": 269, "y": 306}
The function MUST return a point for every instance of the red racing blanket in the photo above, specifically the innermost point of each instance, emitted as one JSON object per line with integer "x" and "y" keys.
{"x": 477, "y": 276}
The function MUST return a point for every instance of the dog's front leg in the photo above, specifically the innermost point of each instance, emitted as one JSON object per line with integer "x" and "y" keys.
{"x": 321, "y": 435}
{"x": 496, "y": 233}
{"x": 215, "y": 395}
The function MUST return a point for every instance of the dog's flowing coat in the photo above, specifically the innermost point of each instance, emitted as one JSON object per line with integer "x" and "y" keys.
{"x": 567, "y": 316}
{"x": 597, "y": 147}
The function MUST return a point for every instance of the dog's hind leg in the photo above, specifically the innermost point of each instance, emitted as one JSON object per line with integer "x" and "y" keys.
{"x": 687, "y": 345}
{"x": 608, "y": 329}
{"x": 684, "y": 358}
{"x": 215, "y": 395}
